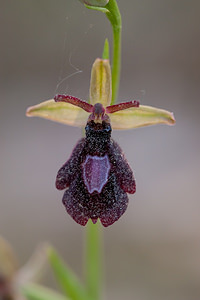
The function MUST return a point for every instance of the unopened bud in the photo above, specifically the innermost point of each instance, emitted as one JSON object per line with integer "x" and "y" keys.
{"x": 98, "y": 3}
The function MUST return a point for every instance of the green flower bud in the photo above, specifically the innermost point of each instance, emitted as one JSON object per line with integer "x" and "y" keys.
{"x": 98, "y": 3}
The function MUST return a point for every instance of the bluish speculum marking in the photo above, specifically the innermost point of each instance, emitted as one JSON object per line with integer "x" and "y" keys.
{"x": 95, "y": 172}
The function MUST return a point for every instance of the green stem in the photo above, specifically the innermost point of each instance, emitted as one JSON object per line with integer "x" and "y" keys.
{"x": 93, "y": 232}
{"x": 113, "y": 14}
{"x": 93, "y": 260}
{"x": 114, "y": 17}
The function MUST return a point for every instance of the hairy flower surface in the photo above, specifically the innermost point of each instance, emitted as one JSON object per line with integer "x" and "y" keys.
{"x": 97, "y": 176}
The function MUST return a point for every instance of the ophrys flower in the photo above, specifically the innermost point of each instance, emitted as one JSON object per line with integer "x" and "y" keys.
{"x": 97, "y": 175}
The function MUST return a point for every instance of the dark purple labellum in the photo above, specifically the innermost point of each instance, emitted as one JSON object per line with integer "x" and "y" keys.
{"x": 97, "y": 177}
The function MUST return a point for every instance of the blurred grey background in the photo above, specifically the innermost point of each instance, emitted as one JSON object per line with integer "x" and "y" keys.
{"x": 48, "y": 47}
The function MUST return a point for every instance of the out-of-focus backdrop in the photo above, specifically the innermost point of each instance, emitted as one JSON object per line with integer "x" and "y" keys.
{"x": 48, "y": 47}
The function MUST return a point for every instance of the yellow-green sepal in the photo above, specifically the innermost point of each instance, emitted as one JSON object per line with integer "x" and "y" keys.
{"x": 141, "y": 116}
{"x": 64, "y": 113}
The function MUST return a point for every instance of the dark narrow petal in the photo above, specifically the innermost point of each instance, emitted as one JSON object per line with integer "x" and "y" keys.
{"x": 121, "y": 106}
{"x": 74, "y": 101}
{"x": 67, "y": 172}
{"x": 121, "y": 168}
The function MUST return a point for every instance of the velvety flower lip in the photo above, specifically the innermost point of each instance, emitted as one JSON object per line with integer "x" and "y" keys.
{"x": 112, "y": 181}
{"x": 97, "y": 177}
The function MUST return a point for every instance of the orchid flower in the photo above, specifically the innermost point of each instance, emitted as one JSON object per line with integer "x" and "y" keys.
{"x": 97, "y": 176}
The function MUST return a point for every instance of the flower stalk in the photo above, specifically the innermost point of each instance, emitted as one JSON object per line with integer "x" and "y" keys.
{"x": 113, "y": 14}
{"x": 114, "y": 17}
{"x": 93, "y": 260}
